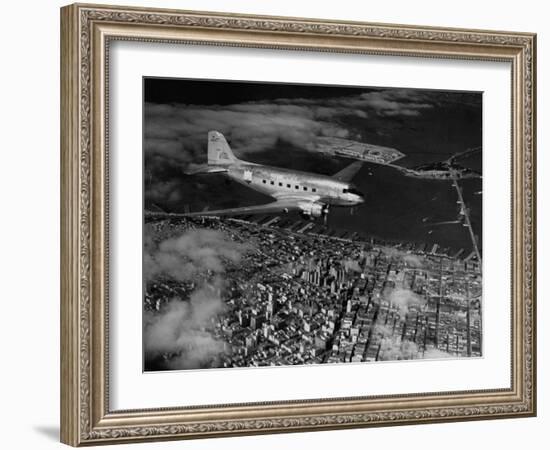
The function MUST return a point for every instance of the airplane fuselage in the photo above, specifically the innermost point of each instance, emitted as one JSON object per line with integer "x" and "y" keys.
{"x": 292, "y": 190}
{"x": 278, "y": 182}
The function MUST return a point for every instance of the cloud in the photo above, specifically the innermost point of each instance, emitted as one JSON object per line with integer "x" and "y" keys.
{"x": 397, "y": 102}
{"x": 175, "y": 134}
{"x": 352, "y": 265}
{"x": 434, "y": 353}
{"x": 403, "y": 299}
{"x": 164, "y": 191}
{"x": 179, "y": 332}
{"x": 184, "y": 257}
{"x": 413, "y": 260}
{"x": 383, "y": 330}
{"x": 393, "y": 348}
{"x": 410, "y": 259}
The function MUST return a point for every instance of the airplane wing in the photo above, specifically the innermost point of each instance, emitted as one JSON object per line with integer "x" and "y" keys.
{"x": 347, "y": 173}
{"x": 278, "y": 206}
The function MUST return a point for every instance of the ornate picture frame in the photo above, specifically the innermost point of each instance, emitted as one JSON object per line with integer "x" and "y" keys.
{"x": 86, "y": 34}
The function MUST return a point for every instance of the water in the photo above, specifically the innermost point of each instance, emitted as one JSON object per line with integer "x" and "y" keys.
{"x": 401, "y": 208}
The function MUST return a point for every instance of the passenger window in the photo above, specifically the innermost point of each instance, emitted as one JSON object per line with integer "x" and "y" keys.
{"x": 288, "y": 185}
{"x": 305, "y": 188}
{"x": 314, "y": 190}
{"x": 272, "y": 183}
{"x": 297, "y": 187}
{"x": 263, "y": 181}
{"x": 280, "y": 184}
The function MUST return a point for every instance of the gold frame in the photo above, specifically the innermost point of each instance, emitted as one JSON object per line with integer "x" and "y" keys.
{"x": 86, "y": 31}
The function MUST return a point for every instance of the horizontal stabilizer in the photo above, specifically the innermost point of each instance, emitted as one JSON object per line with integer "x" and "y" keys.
{"x": 203, "y": 168}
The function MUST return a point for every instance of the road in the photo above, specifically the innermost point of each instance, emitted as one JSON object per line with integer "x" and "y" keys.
{"x": 466, "y": 212}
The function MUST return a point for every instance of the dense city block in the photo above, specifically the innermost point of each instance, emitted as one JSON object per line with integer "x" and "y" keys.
{"x": 298, "y": 294}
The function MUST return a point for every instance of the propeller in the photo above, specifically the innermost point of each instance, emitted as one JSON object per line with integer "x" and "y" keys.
{"x": 325, "y": 214}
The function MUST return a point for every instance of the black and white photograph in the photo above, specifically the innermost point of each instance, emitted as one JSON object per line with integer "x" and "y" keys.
{"x": 289, "y": 224}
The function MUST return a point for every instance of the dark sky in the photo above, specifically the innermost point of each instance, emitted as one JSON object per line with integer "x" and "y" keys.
{"x": 202, "y": 92}
{"x": 282, "y": 124}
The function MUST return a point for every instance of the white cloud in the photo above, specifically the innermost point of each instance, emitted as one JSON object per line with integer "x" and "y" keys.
{"x": 194, "y": 252}
{"x": 179, "y": 332}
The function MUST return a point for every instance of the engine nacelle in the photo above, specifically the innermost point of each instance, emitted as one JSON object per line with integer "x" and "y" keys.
{"x": 311, "y": 209}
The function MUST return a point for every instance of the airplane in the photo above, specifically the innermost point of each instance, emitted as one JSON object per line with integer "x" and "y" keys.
{"x": 308, "y": 193}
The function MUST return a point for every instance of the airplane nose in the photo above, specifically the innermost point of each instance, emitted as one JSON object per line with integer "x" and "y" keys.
{"x": 359, "y": 198}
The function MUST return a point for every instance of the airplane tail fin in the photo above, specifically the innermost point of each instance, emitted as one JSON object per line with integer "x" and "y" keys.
{"x": 219, "y": 152}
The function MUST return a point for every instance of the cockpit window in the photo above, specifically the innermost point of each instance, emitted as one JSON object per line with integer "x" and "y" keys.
{"x": 353, "y": 190}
